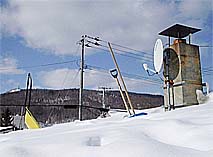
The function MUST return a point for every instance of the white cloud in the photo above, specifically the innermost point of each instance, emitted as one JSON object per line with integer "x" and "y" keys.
{"x": 69, "y": 78}
{"x": 195, "y": 9}
{"x": 55, "y": 26}
{"x": 59, "y": 78}
{"x": 8, "y": 65}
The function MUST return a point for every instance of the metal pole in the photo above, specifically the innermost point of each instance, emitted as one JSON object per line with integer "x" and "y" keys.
{"x": 103, "y": 98}
{"x": 167, "y": 77}
{"x": 169, "y": 41}
{"x": 167, "y": 80}
{"x": 81, "y": 80}
{"x": 190, "y": 35}
{"x": 31, "y": 84}
{"x": 103, "y": 95}
{"x": 25, "y": 102}
{"x": 125, "y": 89}
{"x": 173, "y": 97}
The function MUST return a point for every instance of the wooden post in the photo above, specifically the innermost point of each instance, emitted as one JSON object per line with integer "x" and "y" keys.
{"x": 125, "y": 89}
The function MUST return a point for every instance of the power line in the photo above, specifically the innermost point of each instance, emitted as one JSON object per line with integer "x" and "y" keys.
{"x": 97, "y": 44}
{"x": 74, "y": 78}
{"x": 131, "y": 77}
{"x": 43, "y": 65}
{"x": 204, "y": 46}
{"x": 68, "y": 69}
{"x": 65, "y": 80}
{"x": 205, "y": 71}
{"x": 40, "y": 65}
{"x": 134, "y": 55}
{"x": 128, "y": 75}
{"x": 147, "y": 57}
{"x": 98, "y": 39}
{"x": 125, "y": 55}
{"x": 210, "y": 67}
{"x": 206, "y": 74}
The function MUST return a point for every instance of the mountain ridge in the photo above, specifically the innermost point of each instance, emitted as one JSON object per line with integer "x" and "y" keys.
{"x": 48, "y": 104}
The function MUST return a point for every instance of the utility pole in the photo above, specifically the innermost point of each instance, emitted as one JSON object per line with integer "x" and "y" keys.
{"x": 81, "y": 79}
{"x": 103, "y": 95}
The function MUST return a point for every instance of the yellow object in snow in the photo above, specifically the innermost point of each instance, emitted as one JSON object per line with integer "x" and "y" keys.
{"x": 30, "y": 121}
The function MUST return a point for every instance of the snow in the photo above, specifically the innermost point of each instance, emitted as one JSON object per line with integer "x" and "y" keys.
{"x": 184, "y": 132}
{"x": 14, "y": 90}
{"x": 2, "y": 128}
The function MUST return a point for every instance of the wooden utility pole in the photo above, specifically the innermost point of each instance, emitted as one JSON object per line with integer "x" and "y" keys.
{"x": 81, "y": 79}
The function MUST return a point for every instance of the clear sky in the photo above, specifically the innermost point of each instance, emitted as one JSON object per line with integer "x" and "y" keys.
{"x": 40, "y": 36}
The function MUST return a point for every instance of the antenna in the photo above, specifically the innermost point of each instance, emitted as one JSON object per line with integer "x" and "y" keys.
{"x": 148, "y": 70}
{"x": 145, "y": 66}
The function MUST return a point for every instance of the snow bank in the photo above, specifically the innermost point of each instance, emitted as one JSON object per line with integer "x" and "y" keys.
{"x": 185, "y": 132}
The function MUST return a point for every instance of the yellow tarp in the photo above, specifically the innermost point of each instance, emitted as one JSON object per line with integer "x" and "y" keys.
{"x": 30, "y": 121}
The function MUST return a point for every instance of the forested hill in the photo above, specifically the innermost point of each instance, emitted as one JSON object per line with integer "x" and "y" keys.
{"x": 48, "y": 104}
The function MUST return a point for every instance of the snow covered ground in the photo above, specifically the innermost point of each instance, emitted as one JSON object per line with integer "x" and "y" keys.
{"x": 185, "y": 132}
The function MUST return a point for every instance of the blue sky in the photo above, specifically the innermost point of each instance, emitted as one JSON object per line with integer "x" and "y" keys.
{"x": 37, "y": 32}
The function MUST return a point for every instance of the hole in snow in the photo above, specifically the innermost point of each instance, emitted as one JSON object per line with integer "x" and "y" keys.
{"x": 94, "y": 141}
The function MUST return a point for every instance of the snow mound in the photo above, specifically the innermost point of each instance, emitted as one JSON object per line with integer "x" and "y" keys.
{"x": 184, "y": 132}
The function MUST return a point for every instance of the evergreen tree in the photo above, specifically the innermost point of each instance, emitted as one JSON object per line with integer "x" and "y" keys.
{"x": 6, "y": 118}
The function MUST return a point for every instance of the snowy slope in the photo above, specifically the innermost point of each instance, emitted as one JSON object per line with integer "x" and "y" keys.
{"x": 185, "y": 132}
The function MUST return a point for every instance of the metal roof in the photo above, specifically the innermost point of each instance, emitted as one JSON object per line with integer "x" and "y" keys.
{"x": 179, "y": 31}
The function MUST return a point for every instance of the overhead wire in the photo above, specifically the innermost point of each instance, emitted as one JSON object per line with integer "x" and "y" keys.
{"x": 40, "y": 65}
{"x": 74, "y": 78}
{"x": 141, "y": 56}
{"x": 120, "y": 54}
{"x": 51, "y": 112}
{"x": 204, "y": 46}
{"x": 209, "y": 67}
{"x": 130, "y": 54}
{"x": 98, "y": 39}
{"x": 131, "y": 76}
{"x": 206, "y": 74}
{"x": 207, "y": 71}
{"x": 63, "y": 82}
{"x": 128, "y": 75}
{"x": 133, "y": 55}
{"x": 44, "y": 65}
{"x": 68, "y": 69}
{"x": 125, "y": 51}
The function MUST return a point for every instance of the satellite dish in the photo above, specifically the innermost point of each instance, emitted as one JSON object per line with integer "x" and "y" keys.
{"x": 158, "y": 55}
{"x": 174, "y": 63}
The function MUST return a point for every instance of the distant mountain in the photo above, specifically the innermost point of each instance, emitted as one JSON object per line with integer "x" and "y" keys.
{"x": 48, "y": 105}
